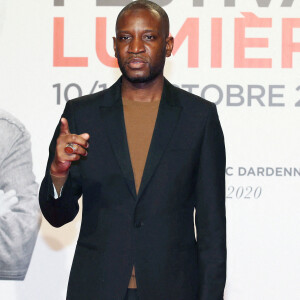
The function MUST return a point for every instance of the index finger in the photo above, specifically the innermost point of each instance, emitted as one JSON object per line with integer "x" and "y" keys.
{"x": 64, "y": 126}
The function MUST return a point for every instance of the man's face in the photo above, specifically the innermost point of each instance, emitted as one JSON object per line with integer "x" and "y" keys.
{"x": 141, "y": 45}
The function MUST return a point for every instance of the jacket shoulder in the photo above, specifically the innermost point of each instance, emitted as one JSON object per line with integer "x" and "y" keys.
{"x": 88, "y": 100}
{"x": 192, "y": 102}
{"x": 10, "y": 122}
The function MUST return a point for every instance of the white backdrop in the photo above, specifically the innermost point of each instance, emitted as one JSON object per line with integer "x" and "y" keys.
{"x": 243, "y": 56}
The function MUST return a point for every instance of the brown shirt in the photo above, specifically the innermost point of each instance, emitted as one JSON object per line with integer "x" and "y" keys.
{"x": 140, "y": 119}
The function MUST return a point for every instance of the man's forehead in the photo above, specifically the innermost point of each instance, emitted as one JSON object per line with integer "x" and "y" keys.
{"x": 140, "y": 15}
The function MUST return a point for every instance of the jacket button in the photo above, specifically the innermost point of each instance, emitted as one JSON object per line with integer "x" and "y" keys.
{"x": 139, "y": 224}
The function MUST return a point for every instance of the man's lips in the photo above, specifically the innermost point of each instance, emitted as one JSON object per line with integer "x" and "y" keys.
{"x": 136, "y": 63}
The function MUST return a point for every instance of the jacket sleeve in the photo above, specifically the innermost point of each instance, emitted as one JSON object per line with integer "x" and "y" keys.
{"x": 65, "y": 208}
{"x": 19, "y": 226}
{"x": 210, "y": 218}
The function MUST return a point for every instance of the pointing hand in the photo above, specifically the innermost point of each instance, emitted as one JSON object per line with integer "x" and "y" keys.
{"x": 62, "y": 160}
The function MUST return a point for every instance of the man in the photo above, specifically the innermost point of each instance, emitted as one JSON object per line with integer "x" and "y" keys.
{"x": 145, "y": 154}
{"x": 19, "y": 209}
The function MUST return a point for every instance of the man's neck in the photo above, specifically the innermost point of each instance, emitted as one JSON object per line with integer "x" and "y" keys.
{"x": 144, "y": 92}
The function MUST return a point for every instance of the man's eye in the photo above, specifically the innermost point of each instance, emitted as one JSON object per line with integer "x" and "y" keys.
{"x": 124, "y": 38}
{"x": 149, "y": 37}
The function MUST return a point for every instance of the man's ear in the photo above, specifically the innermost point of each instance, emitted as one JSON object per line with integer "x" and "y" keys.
{"x": 115, "y": 46}
{"x": 169, "y": 45}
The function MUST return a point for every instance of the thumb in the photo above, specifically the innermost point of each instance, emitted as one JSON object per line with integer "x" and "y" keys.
{"x": 64, "y": 126}
{"x": 86, "y": 136}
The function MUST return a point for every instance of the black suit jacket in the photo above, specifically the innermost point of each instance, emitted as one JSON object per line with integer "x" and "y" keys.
{"x": 154, "y": 230}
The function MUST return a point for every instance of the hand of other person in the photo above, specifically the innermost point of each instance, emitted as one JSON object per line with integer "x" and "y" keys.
{"x": 62, "y": 160}
{"x": 7, "y": 201}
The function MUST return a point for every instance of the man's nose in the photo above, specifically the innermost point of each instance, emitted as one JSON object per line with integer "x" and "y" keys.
{"x": 136, "y": 46}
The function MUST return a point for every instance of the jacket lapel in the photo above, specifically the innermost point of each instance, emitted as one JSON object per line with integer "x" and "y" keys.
{"x": 167, "y": 118}
{"x": 111, "y": 109}
{"x": 112, "y": 114}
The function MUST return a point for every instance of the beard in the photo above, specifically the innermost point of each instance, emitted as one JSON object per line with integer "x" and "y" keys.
{"x": 139, "y": 79}
{"x": 154, "y": 70}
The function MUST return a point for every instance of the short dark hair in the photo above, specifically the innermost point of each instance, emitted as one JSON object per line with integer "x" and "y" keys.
{"x": 149, "y": 5}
